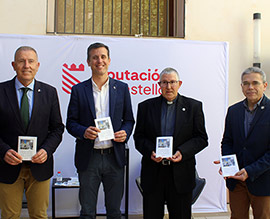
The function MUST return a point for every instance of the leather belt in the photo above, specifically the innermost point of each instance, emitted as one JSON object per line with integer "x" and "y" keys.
{"x": 165, "y": 162}
{"x": 104, "y": 151}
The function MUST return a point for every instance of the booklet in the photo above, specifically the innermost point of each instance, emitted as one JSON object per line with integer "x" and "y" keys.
{"x": 229, "y": 165}
{"x": 106, "y": 129}
{"x": 27, "y": 147}
{"x": 164, "y": 146}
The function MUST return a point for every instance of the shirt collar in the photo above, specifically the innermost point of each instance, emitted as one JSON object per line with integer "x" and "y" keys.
{"x": 95, "y": 87}
{"x": 255, "y": 106}
{"x": 19, "y": 85}
{"x": 169, "y": 102}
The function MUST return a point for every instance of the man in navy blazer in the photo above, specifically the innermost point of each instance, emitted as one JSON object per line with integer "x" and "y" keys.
{"x": 247, "y": 134}
{"x": 169, "y": 179}
{"x": 100, "y": 161}
{"x": 45, "y": 123}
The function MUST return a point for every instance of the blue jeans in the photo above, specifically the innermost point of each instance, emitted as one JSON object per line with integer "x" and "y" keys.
{"x": 101, "y": 168}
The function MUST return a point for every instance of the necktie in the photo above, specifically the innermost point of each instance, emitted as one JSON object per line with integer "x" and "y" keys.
{"x": 25, "y": 107}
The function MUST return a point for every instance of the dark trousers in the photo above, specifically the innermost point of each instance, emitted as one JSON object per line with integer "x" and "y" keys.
{"x": 179, "y": 205}
{"x": 103, "y": 169}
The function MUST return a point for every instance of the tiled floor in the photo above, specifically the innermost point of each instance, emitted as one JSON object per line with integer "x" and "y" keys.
{"x": 225, "y": 215}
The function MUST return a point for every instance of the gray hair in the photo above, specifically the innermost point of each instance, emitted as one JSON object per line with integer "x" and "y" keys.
{"x": 24, "y": 48}
{"x": 169, "y": 70}
{"x": 254, "y": 70}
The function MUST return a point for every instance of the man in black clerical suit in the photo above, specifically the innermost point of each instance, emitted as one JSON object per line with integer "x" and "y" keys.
{"x": 169, "y": 180}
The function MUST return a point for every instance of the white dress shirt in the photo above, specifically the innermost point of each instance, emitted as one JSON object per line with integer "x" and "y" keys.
{"x": 101, "y": 99}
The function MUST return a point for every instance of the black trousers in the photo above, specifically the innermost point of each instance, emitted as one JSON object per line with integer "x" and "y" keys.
{"x": 179, "y": 205}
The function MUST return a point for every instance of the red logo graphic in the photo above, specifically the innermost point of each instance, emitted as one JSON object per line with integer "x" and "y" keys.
{"x": 68, "y": 79}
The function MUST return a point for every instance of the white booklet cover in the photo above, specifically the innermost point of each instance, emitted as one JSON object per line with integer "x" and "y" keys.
{"x": 229, "y": 165}
{"x": 106, "y": 129}
{"x": 27, "y": 147}
{"x": 164, "y": 146}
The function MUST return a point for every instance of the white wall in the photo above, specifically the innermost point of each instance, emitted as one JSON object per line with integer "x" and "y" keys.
{"x": 231, "y": 21}
{"x": 23, "y": 16}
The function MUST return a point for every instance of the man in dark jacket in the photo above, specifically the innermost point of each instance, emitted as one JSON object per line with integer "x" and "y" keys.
{"x": 247, "y": 134}
{"x": 27, "y": 108}
{"x": 169, "y": 180}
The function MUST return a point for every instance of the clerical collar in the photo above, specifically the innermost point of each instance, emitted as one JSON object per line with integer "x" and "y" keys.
{"x": 170, "y": 102}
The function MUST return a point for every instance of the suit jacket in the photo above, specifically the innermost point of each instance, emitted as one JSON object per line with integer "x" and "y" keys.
{"x": 252, "y": 151}
{"x": 45, "y": 123}
{"x": 81, "y": 115}
{"x": 189, "y": 138}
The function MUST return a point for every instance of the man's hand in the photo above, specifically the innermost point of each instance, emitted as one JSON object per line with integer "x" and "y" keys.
{"x": 91, "y": 133}
{"x": 154, "y": 158}
{"x": 177, "y": 157}
{"x": 120, "y": 136}
{"x": 241, "y": 175}
{"x": 219, "y": 171}
{"x": 40, "y": 157}
{"x": 12, "y": 157}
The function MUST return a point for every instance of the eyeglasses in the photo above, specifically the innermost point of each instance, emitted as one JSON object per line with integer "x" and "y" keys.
{"x": 165, "y": 83}
{"x": 253, "y": 83}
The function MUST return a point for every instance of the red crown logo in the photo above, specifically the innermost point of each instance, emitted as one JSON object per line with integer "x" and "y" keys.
{"x": 68, "y": 78}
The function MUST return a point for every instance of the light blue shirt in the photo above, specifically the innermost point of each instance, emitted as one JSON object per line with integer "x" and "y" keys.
{"x": 30, "y": 94}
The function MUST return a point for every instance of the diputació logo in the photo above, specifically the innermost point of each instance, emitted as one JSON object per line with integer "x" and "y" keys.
{"x": 139, "y": 82}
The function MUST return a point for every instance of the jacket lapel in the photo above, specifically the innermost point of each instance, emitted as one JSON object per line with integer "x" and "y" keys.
{"x": 181, "y": 112}
{"x": 37, "y": 101}
{"x": 112, "y": 95}
{"x": 260, "y": 111}
{"x": 13, "y": 100}
{"x": 90, "y": 98}
{"x": 241, "y": 119}
{"x": 156, "y": 115}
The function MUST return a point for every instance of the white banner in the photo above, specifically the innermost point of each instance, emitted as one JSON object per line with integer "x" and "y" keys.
{"x": 203, "y": 68}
